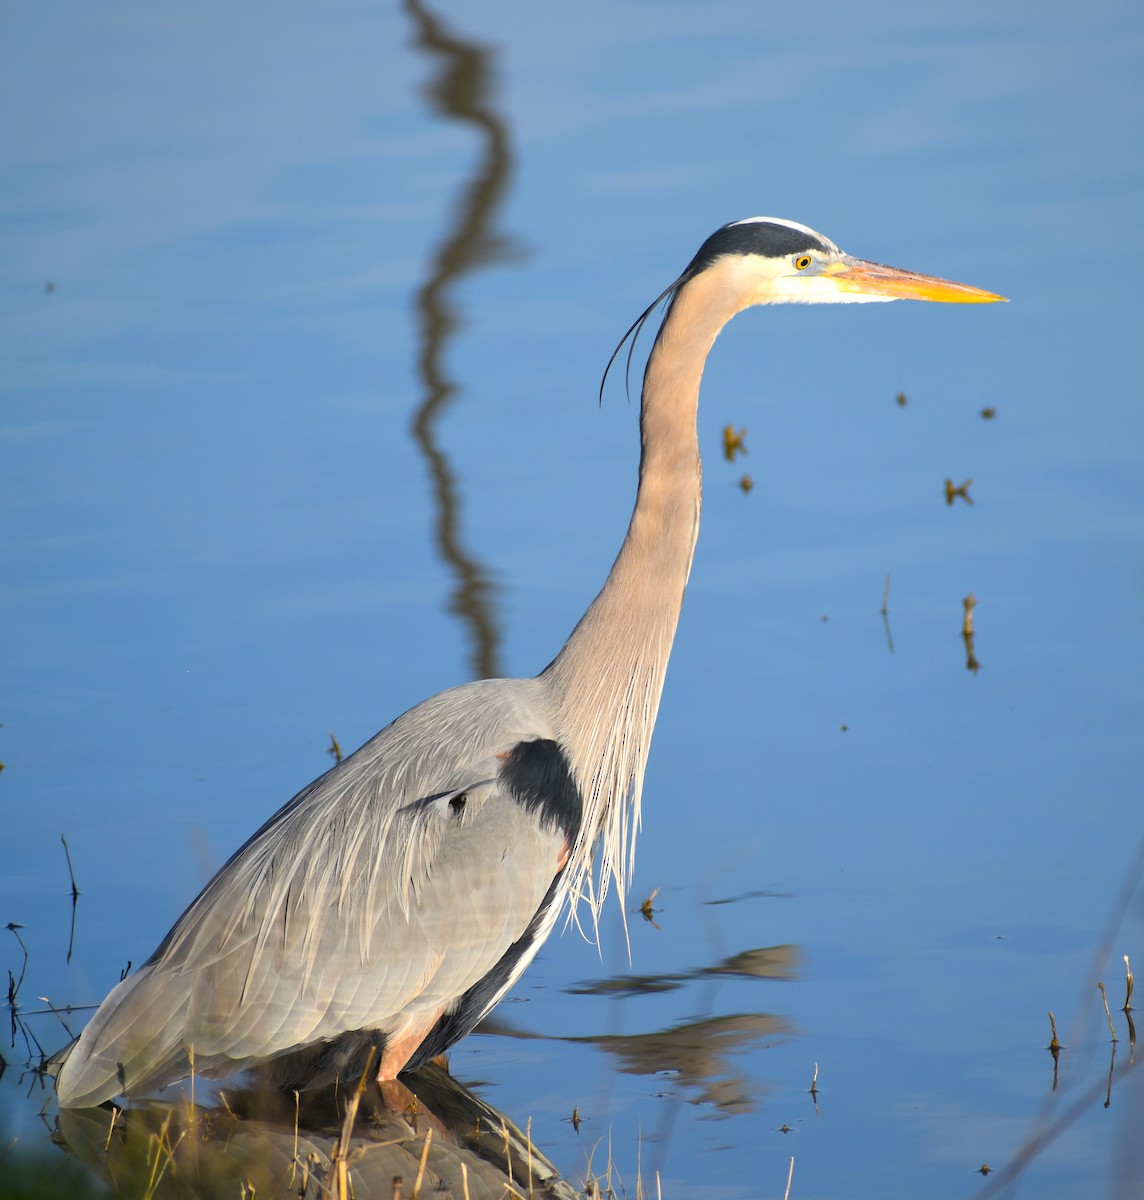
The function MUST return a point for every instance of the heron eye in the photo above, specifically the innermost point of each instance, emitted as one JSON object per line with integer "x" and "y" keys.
{"x": 802, "y": 262}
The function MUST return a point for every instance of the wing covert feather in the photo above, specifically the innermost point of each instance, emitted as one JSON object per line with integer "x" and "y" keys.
{"x": 367, "y": 896}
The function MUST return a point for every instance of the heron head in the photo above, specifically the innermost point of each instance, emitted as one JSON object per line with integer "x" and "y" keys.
{"x": 769, "y": 260}
{"x": 774, "y": 261}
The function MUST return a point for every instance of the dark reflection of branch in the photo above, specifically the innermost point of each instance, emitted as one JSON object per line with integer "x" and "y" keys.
{"x": 693, "y": 1053}
{"x": 753, "y": 894}
{"x": 1053, "y": 1120}
{"x": 459, "y": 91}
{"x": 696, "y": 1054}
{"x": 885, "y": 611}
{"x": 75, "y": 894}
{"x": 767, "y": 962}
{"x": 1047, "y": 1133}
{"x": 428, "y": 1132}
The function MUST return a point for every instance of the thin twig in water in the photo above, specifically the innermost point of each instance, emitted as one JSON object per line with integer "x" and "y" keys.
{"x": 162, "y": 1143}
{"x": 14, "y": 984}
{"x": 790, "y": 1176}
{"x": 67, "y": 854}
{"x": 967, "y": 634}
{"x": 294, "y": 1160}
{"x": 1054, "y": 1048}
{"x": 885, "y": 611}
{"x": 528, "y": 1143}
{"x": 507, "y": 1152}
{"x": 1046, "y": 1128}
{"x": 339, "y": 1159}
{"x": 59, "y": 1013}
{"x": 74, "y": 897}
{"x": 115, "y": 1113}
{"x": 1104, "y": 997}
{"x": 421, "y": 1164}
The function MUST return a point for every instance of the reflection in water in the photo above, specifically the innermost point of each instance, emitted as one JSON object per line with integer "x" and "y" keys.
{"x": 460, "y": 92}
{"x": 429, "y": 1135}
{"x": 425, "y": 1130}
{"x": 1125, "y": 1176}
{"x": 767, "y": 962}
{"x": 1124, "y": 1086}
{"x": 885, "y": 611}
{"x": 692, "y": 1054}
{"x": 695, "y": 1054}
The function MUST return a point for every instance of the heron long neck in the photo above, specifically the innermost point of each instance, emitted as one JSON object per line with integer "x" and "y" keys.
{"x": 606, "y": 682}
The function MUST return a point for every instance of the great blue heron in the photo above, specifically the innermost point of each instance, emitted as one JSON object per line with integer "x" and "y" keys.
{"x": 392, "y": 903}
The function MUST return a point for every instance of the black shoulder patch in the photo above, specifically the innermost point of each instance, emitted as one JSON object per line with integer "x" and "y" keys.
{"x": 538, "y": 777}
{"x": 768, "y": 238}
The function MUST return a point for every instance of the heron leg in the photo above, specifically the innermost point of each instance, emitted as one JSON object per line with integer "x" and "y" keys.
{"x": 403, "y": 1042}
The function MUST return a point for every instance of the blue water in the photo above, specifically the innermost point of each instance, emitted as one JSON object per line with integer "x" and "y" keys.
{"x": 218, "y": 531}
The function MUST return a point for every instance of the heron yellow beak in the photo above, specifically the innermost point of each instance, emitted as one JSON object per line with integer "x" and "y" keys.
{"x": 873, "y": 279}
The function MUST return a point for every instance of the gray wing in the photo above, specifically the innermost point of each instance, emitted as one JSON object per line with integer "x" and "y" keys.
{"x": 400, "y": 885}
